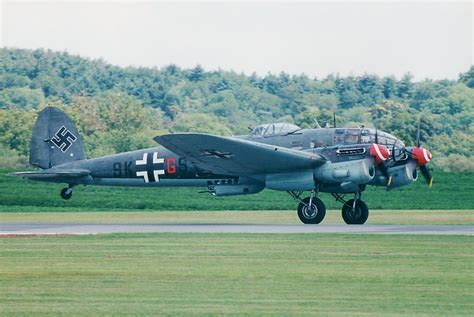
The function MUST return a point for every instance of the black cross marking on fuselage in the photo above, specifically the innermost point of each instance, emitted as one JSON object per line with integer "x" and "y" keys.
{"x": 217, "y": 154}
{"x": 149, "y": 164}
{"x": 63, "y": 139}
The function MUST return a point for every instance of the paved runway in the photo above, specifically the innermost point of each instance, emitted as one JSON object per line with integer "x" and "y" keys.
{"x": 39, "y": 229}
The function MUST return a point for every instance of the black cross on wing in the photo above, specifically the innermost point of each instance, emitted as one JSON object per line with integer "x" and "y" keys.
{"x": 217, "y": 154}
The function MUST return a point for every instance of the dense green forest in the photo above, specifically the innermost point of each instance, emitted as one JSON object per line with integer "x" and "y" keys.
{"x": 118, "y": 109}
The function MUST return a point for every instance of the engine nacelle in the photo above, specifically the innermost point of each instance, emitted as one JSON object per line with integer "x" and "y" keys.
{"x": 356, "y": 172}
{"x": 299, "y": 181}
{"x": 404, "y": 174}
{"x": 239, "y": 189}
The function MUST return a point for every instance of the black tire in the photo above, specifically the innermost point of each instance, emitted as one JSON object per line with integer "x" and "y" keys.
{"x": 64, "y": 193}
{"x": 313, "y": 216}
{"x": 358, "y": 216}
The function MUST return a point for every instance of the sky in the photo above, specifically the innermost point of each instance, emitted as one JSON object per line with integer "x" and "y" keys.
{"x": 428, "y": 39}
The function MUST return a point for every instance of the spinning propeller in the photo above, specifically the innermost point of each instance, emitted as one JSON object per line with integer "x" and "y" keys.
{"x": 422, "y": 157}
{"x": 381, "y": 154}
{"x": 419, "y": 154}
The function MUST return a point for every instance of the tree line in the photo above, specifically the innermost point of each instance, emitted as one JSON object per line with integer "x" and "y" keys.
{"x": 119, "y": 109}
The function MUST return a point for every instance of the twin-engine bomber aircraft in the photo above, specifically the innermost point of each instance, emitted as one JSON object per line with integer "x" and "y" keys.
{"x": 279, "y": 156}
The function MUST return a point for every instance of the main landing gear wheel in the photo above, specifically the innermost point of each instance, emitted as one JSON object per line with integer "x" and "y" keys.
{"x": 355, "y": 214}
{"x": 313, "y": 214}
{"x": 66, "y": 193}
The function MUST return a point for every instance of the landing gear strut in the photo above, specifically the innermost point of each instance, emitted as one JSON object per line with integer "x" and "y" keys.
{"x": 355, "y": 211}
{"x": 311, "y": 210}
{"x": 66, "y": 192}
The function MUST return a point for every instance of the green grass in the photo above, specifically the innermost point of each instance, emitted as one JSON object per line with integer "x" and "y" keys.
{"x": 450, "y": 191}
{"x": 453, "y": 217}
{"x": 242, "y": 274}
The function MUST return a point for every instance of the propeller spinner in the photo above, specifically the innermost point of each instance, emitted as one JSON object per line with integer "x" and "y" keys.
{"x": 381, "y": 153}
{"x": 422, "y": 157}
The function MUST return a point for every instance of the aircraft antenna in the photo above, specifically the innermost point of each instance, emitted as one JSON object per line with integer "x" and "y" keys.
{"x": 376, "y": 130}
{"x": 418, "y": 134}
{"x": 317, "y": 126}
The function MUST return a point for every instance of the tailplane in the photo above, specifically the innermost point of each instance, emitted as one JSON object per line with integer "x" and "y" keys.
{"x": 55, "y": 140}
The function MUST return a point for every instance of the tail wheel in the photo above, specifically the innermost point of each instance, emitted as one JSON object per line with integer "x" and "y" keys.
{"x": 66, "y": 193}
{"x": 313, "y": 214}
{"x": 357, "y": 215}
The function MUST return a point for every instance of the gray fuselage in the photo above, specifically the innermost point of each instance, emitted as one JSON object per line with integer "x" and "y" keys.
{"x": 159, "y": 167}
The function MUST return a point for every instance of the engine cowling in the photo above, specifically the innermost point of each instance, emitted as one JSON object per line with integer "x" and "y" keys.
{"x": 404, "y": 175}
{"x": 299, "y": 181}
{"x": 357, "y": 171}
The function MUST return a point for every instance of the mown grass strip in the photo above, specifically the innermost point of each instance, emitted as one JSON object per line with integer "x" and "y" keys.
{"x": 245, "y": 274}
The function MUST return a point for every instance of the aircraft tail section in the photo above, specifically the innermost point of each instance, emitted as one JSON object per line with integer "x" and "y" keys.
{"x": 55, "y": 140}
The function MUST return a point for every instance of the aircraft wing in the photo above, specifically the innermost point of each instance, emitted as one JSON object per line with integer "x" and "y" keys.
{"x": 226, "y": 155}
{"x": 53, "y": 175}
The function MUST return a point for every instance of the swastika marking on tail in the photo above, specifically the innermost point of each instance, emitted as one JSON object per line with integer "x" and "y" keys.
{"x": 63, "y": 139}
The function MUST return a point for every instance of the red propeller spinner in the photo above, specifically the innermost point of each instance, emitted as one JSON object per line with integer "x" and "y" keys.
{"x": 421, "y": 155}
{"x": 380, "y": 152}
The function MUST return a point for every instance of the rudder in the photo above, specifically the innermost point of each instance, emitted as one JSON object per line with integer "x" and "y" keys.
{"x": 55, "y": 140}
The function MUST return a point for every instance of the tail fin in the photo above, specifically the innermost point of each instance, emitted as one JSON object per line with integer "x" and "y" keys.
{"x": 55, "y": 140}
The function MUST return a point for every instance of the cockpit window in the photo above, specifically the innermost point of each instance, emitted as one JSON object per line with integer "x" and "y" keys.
{"x": 346, "y": 136}
{"x": 386, "y": 139}
{"x": 351, "y": 136}
{"x": 274, "y": 129}
{"x": 364, "y": 136}
{"x": 368, "y": 136}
